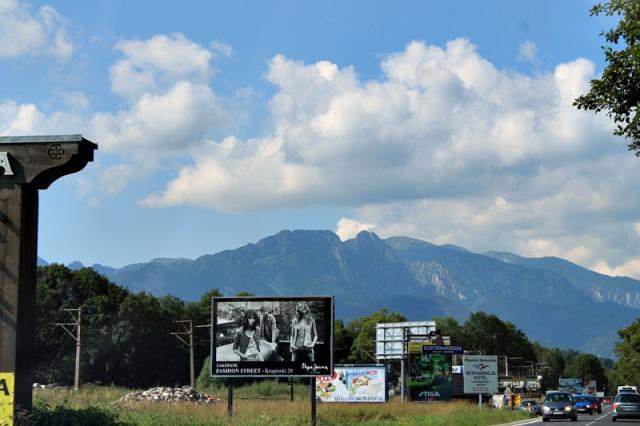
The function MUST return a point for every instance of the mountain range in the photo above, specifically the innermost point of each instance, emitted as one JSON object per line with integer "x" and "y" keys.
{"x": 554, "y": 301}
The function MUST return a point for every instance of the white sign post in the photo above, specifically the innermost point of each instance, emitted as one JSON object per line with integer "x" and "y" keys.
{"x": 480, "y": 374}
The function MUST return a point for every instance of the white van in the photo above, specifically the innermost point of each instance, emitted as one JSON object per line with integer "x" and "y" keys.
{"x": 627, "y": 388}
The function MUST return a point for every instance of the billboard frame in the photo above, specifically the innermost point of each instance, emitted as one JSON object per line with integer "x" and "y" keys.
{"x": 401, "y": 338}
{"x": 214, "y": 323}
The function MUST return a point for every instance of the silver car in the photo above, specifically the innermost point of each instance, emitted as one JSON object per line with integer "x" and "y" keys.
{"x": 559, "y": 405}
{"x": 625, "y": 405}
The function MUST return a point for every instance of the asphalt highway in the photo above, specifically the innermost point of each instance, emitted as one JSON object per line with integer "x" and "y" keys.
{"x": 585, "y": 420}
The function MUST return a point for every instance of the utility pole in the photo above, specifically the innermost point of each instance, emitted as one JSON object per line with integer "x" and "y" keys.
{"x": 77, "y": 317}
{"x": 187, "y": 329}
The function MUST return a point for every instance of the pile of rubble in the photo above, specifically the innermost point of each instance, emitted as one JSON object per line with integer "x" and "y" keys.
{"x": 166, "y": 394}
{"x": 53, "y": 386}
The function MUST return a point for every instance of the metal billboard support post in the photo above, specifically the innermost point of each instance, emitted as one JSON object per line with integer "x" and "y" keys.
{"x": 480, "y": 400}
{"x": 312, "y": 392}
{"x": 402, "y": 379}
{"x": 291, "y": 387}
{"x": 230, "y": 400}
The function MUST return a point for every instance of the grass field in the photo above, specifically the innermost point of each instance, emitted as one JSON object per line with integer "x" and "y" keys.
{"x": 97, "y": 406}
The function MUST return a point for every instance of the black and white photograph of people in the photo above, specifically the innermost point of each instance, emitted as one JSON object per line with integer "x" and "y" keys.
{"x": 246, "y": 343}
{"x": 303, "y": 334}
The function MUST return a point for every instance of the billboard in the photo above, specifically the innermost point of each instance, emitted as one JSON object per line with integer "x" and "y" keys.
{"x": 353, "y": 383}
{"x": 430, "y": 376}
{"x": 577, "y": 386}
{"x": 519, "y": 385}
{"x": 272, "y": 336}
{"x": 480, "y": 373}
{"x": 391, "y": 337}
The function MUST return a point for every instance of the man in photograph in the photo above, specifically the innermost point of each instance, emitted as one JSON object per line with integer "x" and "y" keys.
{"x": 269, "y": 331}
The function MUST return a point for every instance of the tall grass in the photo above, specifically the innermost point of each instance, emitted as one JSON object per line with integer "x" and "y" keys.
{"x": 260, "y": 404}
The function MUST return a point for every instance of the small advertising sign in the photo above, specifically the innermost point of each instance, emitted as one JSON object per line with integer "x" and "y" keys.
{"x": 357, "y": 383}
{"x": 572, "y": 385}
{"x": 480, "y": 373}
{"x": 442, "y": 349}
{"x": 7, "y": 381}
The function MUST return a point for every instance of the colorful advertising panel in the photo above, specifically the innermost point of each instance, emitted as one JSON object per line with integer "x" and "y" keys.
{"x": 430, "y": 376}
{"x": 572, "y": 385}
{"x": 272, "y": 336}
{"x": 577, "y": 386}
{"x": 480, "y": 373}
{"x": 353, "y": 383}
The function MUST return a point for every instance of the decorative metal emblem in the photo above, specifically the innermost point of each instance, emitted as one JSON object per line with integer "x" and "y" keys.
{"x": 56, "y": 152}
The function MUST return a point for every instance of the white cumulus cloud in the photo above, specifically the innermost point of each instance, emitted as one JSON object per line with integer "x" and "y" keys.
{"x": 441, "y": 121}
{"x": 153, "y": 64}
{"x": 23, "y": 32}
{"x": 171, "y": 109}
{"x": 349, "y": 228}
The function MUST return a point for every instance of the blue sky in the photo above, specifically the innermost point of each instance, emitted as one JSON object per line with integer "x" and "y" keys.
{"x": 219, "y": 123}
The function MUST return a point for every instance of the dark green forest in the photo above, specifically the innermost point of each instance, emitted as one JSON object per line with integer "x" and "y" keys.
{"x": 127, "y": 340}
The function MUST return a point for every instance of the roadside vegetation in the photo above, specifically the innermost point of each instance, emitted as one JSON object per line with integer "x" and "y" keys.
{"x": 95, "y": 405}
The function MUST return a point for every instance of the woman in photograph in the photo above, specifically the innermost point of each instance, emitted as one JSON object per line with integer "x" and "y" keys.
{"x": 303, "y": 334}
{"x": 246, "y": 343}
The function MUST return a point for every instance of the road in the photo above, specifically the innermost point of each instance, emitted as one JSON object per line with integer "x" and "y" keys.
{"x": 585, "y": 419}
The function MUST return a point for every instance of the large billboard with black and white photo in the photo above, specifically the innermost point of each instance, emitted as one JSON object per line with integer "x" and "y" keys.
{"x": 272, "y": 336}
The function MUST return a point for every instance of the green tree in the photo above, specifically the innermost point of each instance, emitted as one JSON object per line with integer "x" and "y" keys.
{"x": 364, "y": 330}
{"x": 448, "y": 326}
{"x": 617, "y": 91}
{"x": 628, "y": 351}
{"x": 489, "y": 335}
{"x": 147, "y": 353}
{"x": 588, "y": 367}
{"x": 59, "y": 288}
{"x": 343, "y": 342}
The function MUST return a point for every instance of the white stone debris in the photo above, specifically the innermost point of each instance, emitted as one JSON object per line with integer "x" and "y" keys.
{"x": 167, "y": 394}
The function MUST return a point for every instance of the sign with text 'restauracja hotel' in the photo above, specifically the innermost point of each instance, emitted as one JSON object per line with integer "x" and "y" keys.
{"x": 272, "y": 336}
{"x": 480, "y": 373}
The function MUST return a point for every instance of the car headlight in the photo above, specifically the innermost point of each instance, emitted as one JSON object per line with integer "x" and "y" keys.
{"x": 567, "y": 408}
{"x": 545, "y": 408}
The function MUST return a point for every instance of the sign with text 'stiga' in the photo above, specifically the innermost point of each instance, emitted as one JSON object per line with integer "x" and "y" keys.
{"x": 272, "y": 336}
{"x": 480, "y": 373}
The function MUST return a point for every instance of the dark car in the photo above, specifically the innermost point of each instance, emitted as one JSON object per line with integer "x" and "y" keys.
{"x": 584, "y": 404}
{"x": 625, "y": 406}
{"x": 597, "y": 404}
{"x": 531, "y": 406}
{"x": 559, "y": 405}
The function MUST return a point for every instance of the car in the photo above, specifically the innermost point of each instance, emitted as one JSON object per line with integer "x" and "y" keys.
{"x": 531, "y": 406}
{"x": 559, "y": 405}
{"x": 597, "y": 404}
{"x": 626, "y": 405}
{"x": 584, "y": 404}
{"x": 607, "y": 400}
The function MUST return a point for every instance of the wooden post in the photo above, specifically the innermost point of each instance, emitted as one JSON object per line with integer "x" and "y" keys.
{"x": 27, "y": 164}
{"x": 76, "y": 381}
{"x": 230, "y": 400}
{"x": 291, "y": 387}
{"x": 312, "y": 392}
